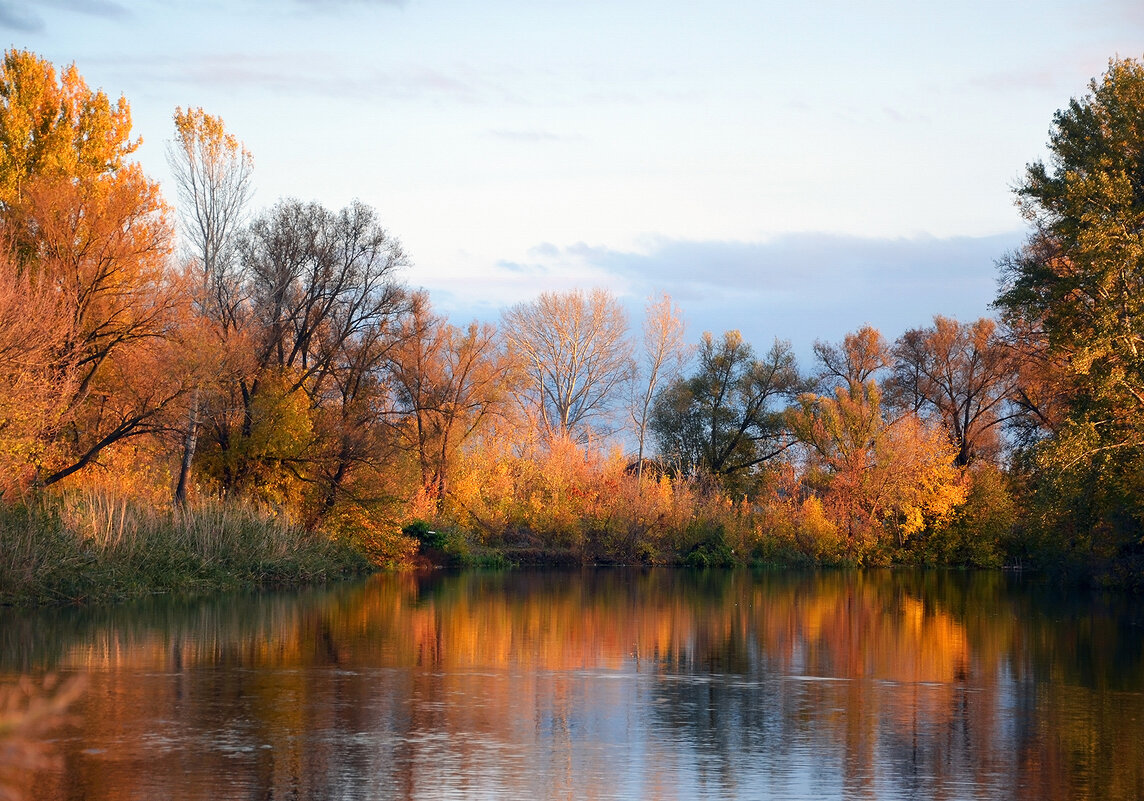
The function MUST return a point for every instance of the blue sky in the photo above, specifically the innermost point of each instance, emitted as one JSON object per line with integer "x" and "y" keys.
{"x": 788, "y": 169}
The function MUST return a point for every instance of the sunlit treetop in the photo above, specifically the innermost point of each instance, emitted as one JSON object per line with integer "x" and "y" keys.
{"x": 53, "y": 125}
{"x": 1082, "y": 271}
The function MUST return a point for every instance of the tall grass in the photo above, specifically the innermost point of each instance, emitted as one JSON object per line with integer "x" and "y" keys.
{"x": 97, "y": 545}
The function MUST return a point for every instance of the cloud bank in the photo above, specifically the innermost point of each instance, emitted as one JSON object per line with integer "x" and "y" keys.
{"x": 800, "y": 287}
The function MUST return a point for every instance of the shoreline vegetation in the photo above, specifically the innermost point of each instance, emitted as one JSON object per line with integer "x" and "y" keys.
{"x": 206, "y": 397}
{"x": 88, "y": 546}
{"x": 91, "y": 547}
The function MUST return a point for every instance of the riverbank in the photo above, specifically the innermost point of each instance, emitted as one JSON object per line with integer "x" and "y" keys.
{"x": 91, "y": 548}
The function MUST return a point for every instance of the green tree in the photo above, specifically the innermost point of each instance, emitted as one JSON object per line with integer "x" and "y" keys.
{"x": 1078, "y": 286}
{"x": 723, "y": 419}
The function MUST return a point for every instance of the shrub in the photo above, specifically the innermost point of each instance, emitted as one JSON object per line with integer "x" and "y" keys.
{"x": 712, "y": 550}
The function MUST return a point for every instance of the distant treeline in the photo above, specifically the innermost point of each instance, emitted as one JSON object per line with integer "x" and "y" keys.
{"x": 159, "y": 364}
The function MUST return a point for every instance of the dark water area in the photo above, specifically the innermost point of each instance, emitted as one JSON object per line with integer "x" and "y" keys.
{"x": 600, "y": 684}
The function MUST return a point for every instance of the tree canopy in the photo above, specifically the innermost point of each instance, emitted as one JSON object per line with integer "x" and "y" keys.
{"x": 1076, "y": 291}
{"x": 723, "y": 419}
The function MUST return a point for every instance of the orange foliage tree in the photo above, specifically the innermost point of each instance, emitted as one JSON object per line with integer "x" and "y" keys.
{"x": 54, "y": 126}
{"x": 212, "y": 173}
{"x": 964, "y": 373}
{"x": 449, "y": 381}
{"x": 318, "y": 307}
{"x": 877, "y": 475}
{"x": 91, "y": 229}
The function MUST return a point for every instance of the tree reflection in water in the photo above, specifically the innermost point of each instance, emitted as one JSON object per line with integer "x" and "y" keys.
{"x": 602, "y": 684}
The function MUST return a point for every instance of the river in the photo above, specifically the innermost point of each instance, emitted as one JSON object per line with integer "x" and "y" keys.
{"x": 598, "y": 684}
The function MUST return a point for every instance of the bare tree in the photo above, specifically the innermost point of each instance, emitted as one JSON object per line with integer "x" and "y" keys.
{"x": 664, "y": 352}
{"x": 212, "y": 171}
{"x": 577, "y": 356}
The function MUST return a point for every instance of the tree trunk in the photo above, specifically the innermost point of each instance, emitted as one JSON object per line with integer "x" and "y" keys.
{"x": 190, "y": 441}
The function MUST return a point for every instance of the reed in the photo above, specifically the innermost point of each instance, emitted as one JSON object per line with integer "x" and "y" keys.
{"x": 96, "y": 545}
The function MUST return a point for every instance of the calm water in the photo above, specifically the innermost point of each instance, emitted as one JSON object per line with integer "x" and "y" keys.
{"x": 602, "y": 684}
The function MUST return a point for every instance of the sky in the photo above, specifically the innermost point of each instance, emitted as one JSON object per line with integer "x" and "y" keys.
{"x": 789, "y": 169}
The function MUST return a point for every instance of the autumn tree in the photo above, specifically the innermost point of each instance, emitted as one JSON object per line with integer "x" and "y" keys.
{"x": 880, "y": 475}
{"x": 1042, "y": 387}
{"x": 448, "y": 381}
{"x": 860, "y": 357}
{"x": 351, "y": 452}
{"x": 54, "y": 127}
{"x": 576, "y": 354}
{"x": 89, "y": 227}
{"x": 212, "y": 172}
{"x": 726, "y": 418}
{"x": 964, "y": 373}
{"x": 316, "y": 285}
{"x": 1078, "y": 286}
{"x": 31, "y": 334}
{"x": 662, "y": 356}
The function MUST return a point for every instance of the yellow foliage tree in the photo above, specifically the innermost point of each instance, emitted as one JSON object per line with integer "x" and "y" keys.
{"x": 55, "y": 126}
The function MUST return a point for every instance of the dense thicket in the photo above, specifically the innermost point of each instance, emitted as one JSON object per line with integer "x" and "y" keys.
{"x": 277, "y": 363}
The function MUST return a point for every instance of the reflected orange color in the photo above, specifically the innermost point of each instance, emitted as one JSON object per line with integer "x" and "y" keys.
{"x": 540, "y": 685}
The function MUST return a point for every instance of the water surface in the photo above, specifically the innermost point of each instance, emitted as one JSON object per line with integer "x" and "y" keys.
{"x": 655, "y": 684}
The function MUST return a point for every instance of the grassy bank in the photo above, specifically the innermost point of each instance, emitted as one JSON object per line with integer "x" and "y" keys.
{"x": 94, "y": 547}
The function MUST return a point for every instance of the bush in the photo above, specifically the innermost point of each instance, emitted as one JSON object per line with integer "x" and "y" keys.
{"x": 980, "y": 528}
{"x": 441, "y": 546}
{"x": 379, "y": 540}
{"x": 711, "y": 551}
